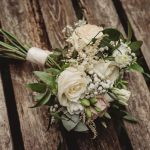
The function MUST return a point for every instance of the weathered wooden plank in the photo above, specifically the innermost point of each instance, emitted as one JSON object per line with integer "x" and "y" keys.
{"x": 17, "y": 17}
{"x": 61, "y": 13}
{"x": 57, "y": 14}
{"x": 140, "y": 100}
{"x": 5, "y": 136}
{"x": 139, "y": 106}
{"x": 138, "y": 12}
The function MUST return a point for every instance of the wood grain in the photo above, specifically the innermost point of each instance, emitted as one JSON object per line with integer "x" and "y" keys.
{"x": 17, "y": 17}
{"x": 57, "y": 14}
{"x": 61, "y": 13}
{"x": 5, "y": 136}
{"x": 139, "y": 104}
{"x": 138, "y": 12}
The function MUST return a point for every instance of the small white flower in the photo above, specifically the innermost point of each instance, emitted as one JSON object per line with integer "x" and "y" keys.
{"x": 75, "y": 108}
{"x": 100, "y": 88}
{"x": 91, "y": 86}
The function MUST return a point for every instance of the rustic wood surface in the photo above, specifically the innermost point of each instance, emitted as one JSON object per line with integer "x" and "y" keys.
{"x": 139, "y": 104}
{"x": 40, "y": 23}
{"x": 17, "y": 17}
{"x": 138, "y": 12}
{"x": 5, "y": 136}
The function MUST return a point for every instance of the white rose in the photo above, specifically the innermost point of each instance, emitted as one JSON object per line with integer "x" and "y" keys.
{"x": 123, "y": 60}
{"x": 123, "y": 95}
{"x": 106, "y": 70}
{"x": 83, "y": 35}
{"x": 71, "y": 86}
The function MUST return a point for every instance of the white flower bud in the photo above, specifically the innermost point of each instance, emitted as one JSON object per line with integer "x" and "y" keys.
{"x": 95, "y": 92}
{"x": 122, "y": 94}
{"x": 56, "y": 106}
{"x": 91, "y": 72}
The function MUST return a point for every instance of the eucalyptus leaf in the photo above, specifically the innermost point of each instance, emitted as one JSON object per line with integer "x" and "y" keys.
{"x": 70, "y": 121}
{"x": 37, "y": 87}
{"x": 81, "y": 127}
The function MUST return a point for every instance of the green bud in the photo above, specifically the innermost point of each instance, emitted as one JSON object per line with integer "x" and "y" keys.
{"x": 97, "y": 109}
{"x": 88, "y": 112}
{"x": 85, "y": 102}
{"x": 93, "y": 101}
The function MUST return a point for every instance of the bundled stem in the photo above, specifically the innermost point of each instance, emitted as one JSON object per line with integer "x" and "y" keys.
{"x": 13, "y": 49}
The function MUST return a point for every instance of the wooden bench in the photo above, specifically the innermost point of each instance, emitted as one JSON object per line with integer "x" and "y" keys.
{"x": 39, "y": 23}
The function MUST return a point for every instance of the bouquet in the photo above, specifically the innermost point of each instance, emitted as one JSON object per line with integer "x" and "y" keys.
{"x": 84, "y": 80}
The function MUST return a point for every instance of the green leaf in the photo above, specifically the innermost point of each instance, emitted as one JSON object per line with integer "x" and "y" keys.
{"x": 129, "y": 32}
{"x": 37, "y": 87}
{"x": 114, "y": 35}
{"x": 40, "y": 96}
{"x": 53, "y": 71}
{"x": 106, "y": 42}
{"x": 130, "y": 118}
{"x": 135, "y": 45}
{"x": 43, "y": 101}
{"x": 136, "y": 67}
{"x": 81, "y": 127}
{"x": 70, "y": 121}
{"x": 64, "y": 67}
{"x": 46, "y": 78}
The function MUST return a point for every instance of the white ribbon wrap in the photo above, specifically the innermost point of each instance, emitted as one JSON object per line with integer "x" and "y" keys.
{"x": 37, "y": 55}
